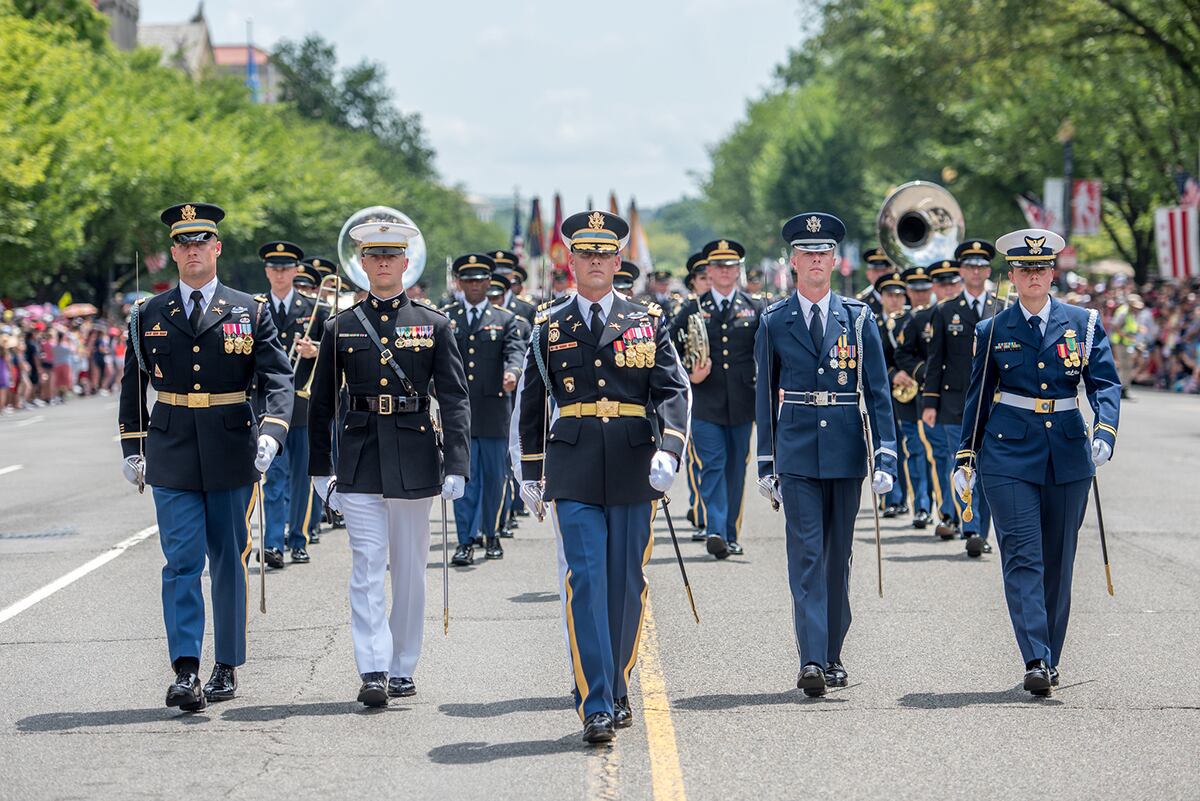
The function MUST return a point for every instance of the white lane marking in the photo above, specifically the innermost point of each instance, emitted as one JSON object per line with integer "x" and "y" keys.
{"x": 12, "y": 468}
{"x": 70, "y": 578}
{"x": 29, "y": 422}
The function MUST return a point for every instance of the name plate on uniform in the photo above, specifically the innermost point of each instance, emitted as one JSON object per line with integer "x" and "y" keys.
{"x": 563, "y": 345}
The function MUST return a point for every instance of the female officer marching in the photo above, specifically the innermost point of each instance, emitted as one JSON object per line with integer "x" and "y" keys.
{"x": 1030, "y": 446}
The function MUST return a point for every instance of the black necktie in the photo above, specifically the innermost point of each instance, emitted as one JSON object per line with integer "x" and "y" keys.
{"x": 815, "y": 329}
{"x": 597, "y": 321}
{"x": 1035, "y": 323}
{"x": 474, "y": 317}
{"x": 197, "y": 310}
{"x": 282, "y": 311}
{"x": 978, "y": 307}
{"x": 724, "y": 306}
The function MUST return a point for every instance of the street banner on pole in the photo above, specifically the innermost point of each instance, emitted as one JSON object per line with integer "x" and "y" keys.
{"x": 1177, "y": 235}
{"x": 1085, "y": 207}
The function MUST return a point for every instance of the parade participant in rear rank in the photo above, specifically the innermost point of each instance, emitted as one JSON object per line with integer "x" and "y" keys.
{"x": 891, "y": 290}
{"x": 877, "y": 265}
{"x": 696, "y": 282}
{"x": 911, "y": 359}
{"x": 391, "y": 352}
{"x": 200, "y": 345}
{"x": 490, "y": 338}
{"x": 311, "y": 273}
{"x": 722, "y": 392}
{"x": 1030, "y": 448}
{"x": 508, "y": 267}
{"x": 823, "y": 351}
{"x": 604, "y": 359}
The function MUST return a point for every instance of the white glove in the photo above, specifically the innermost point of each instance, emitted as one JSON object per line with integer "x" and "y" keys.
{"x": 134, "y": 470}
{"x": 768, "y": 487}
{"x": 326, "y": 487}
{"x": 662, "y": 470}
{"x": 267, "y": 448}
{"x": 1101, "y": 452}
{"x": 963, "y": 480}
{"x": 453, "y": 487}
{"x": 531, "y": 493}
{"x": 881, "y": 482}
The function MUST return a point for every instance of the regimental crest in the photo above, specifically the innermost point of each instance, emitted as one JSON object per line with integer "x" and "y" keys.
{"x": 383, "y": 229}
{"x": 595, "y": 221}
{"x": 189, "y": 213}
{"x": 813, "y": 224}
{"x": 1035, "y": 245}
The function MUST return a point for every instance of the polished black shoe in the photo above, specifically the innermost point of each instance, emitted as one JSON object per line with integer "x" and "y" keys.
{"x": 314, "y": 537}
{"x": 222, "y": 685}
{"x": 1053, "y": 677}
{"x": 987, "y": 547}
{"x": 946, "y": 529}
{"x": 494, "y": 551}
{"x": 401, "y": 687}
{"x": 335, "y": 518}
{"x": 622, "y": 714}
{"x": 699, "y": 536}
{"x": 478, "y": 541}
{"x": 902, "y": 509}
{"x": 598, "y": 728}
{"x": 300, "y": 556}
{"x": 735, "y": 548}
{"x": 185, "y": 692}
{"x": 507, "y": 533}
{"x": 691, "y": 518}
{"x": 811, "y": 680}
{"x": 890, "y": 511}
{"x": 835, "y": 675}
{"x": 975, "y": 545}
{"x": 1037, "y": 678}
{"x": 273, "y": 557}
{"x": 922, "y": 519}
{"x": 463, "y": 555}
{"x": 522, "y": 512}
{"x": 716, "y": 545}
{"x": 374, "y": 689}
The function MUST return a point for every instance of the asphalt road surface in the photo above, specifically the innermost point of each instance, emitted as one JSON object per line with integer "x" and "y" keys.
{"x": 934, "y": 708}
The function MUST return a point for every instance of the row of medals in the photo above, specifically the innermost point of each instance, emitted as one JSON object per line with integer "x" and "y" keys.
{"x": 1072, "y": 359}
{"x": 239, "y": 344}
{"x": 416, "y": 343}
{"x": 640, "y": 354}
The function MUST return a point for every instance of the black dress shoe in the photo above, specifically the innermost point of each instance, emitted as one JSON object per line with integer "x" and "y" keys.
{"x": 598, "y": 728}
{"x": 902, "y": 509}
{"x": 335, "y": 518}
{"x": 522, "y": 512}
{"x": 987, "y": 547}
{"x": 1037, "y": 678}
{"x": 975, "y": 545}
{"x": 699, "y": 536}
{"x": 374, "y": 689}
{"x": 401, "y": 687}
{"x": 889, "y": 511}
{"x": 811, "y": 680}
{"x": 314, "y": 537}
{"x": 222, "y": 685}
{"x": 273, "y": 557}
{"x": 478, "y": 541}
{"x": 507, "y": 533}
{"x": 185, "y": 692}
{"x": 691, "y": 517}
{"x": 835, "y": 675}
{"x": 945, "y": 529}
{"x": 463, "y": 555}
{"x": 921, "y": 519}
{"x": 300, "y": 556}
{"x": 622, "y": 714}
{"x": 735, "y": 548}
{"x": 1053, "y": 677}
{"x": 494, "y": 551}
{"x": 716, "y": 545}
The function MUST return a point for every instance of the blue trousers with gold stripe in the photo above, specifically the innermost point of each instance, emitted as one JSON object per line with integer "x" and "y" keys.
{"x": 607, "y": 548}
{"x": 478, "y": 510}
{"x": 191, "y": 526}
{"x": 699, "y": 514}
{"x": 722, "y": 452}
{"x": 290, "y": 494}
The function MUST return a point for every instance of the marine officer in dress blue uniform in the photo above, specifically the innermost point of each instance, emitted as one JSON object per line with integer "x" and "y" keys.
{"x": 605, "y": 360}
{"x": 490, "y": 339}
{"x": 200, "y": 345}
{"x": 722, "y": 392}
{"x": 823, "y": 351}
{"x": 1030, "y": 447}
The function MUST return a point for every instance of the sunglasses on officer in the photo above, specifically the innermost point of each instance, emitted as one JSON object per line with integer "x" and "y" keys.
{"x": 193, "y": 239}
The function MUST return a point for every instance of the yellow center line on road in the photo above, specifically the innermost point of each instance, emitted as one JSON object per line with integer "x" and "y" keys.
{"x": 666, "y": 776}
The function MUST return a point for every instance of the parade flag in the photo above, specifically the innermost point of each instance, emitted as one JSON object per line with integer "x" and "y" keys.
{"x": 556, "y": 248}
{"x": 535, "y": 237}
{"x": 1177, "y": 234}
{"x": 1085, "y": 207}
{"x": 1189, "y": 188}
{"x": 1034, "y": 211}
{"x": 1054, "y": 205}
{"x": 638, "y": 250}
{"x": 251, "y": 64}
{"x": 518, "y": 241}
{"x": 613, "y": 208}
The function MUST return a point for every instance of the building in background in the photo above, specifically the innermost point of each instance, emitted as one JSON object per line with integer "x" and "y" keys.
{"x": 123, "y": 21}
{"x": 233, "y": 60}
{"x": 185, "y": 46}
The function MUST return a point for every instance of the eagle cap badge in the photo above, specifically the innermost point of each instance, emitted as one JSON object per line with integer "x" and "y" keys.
{"x": 596, "y": 221}
{"x": 813, "y": 224}
{"x": 189, "y": 212}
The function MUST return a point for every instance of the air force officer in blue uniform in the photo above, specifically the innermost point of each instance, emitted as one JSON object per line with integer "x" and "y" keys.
{"x": 1030, "y": 446}
{"x": 824, "y": 352}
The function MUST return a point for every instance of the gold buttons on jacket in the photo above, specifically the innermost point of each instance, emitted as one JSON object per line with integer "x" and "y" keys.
{"x": 597, "y": 362}
{"x": 383, "y": 318}
{"x": 384, "y": 340}
{"x": 196, "y": 368}
{"x": 601, "y": 382}
{"x": 383, "y": 382}
{"x": 195, "y": 348}
{"x": 1044, "y": 386}
{"x": 1041, "y": 365}
{"x": 195, "y": 386}
{"x": 470, "y": 350}
{"x": 1049, "y": 424}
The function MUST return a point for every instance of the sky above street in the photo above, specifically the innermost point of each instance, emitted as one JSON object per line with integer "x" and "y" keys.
{"x": 578, "y": 97}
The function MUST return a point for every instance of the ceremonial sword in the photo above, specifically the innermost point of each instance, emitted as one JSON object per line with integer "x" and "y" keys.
{"x": 679, "y": 557}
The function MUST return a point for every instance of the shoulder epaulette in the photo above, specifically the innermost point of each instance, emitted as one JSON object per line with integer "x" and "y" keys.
{"x": 540, "y": 319}
{"x": 863, "y": 294}
{"x": 653, "y": 309}
{"x": 424, "y": 304}
{"x": 139, "y": 301}
{"x": 853, "y": 302}
{"x": 261, "y": 298}
{"x": 777, "y": 304}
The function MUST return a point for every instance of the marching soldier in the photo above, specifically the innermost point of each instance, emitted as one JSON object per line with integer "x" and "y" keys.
{"x": 390, "y": 351}
{"x": 1030, "y": 447}
{"x": 311, "y": 273}
{"x": 877, "y": 265}
{"x": 696, "y": 282}
{"x": 659, "y": 290}
{"x": 288, "y": 490}
{"x": 890, "y": 288}
{"x": 508, "y": 267}
{"x": 722, "y": 392}
{"x": 948, "y": 371}
{"x": 822, "y": 353}
{"x": 491, "y": 339}
{"x": 604, "y": 359}
{"x": 911, "y": 357}
{"x": 200, "y": 346}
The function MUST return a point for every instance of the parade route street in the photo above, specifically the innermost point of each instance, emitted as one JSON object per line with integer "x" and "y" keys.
{"x": 934, "y": 708}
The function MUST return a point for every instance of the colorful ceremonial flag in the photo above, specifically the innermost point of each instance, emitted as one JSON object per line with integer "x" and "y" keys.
{"x": 535, "y": 237}
{"x": 638, "y": 250}
{"x": 613, "y": 208}
{"x": 1177, "y": 234}
{"x": 556, "y": 248}
{"x": 1085, "y": 207}
{"x": 518, "y": 241}
{"x": 1034, "y": 211}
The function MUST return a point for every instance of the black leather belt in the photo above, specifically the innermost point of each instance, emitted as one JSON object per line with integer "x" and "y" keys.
{"x": 389, "y": 404}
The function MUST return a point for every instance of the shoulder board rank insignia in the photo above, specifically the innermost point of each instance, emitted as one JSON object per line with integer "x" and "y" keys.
{"x": 541, "y": 319}
{"x": 261, "y": 298}
{"x": 140, "y": 301}
{"x": 654, "y": 310}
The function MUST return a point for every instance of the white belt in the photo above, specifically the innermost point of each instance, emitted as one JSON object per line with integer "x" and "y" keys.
{"x": 820, "y": 398}
{"x": 1039, "y": 405}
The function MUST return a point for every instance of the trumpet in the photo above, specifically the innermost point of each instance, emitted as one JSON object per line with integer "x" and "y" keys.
{"x": 328, "y": 282}
{"x": 330, "y": 286}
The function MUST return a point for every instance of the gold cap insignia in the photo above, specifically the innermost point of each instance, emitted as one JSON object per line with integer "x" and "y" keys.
{"x": 723, "y": 245}
{"x": 975, "y": 245}
{"x": 470, "y": 260}
{"x": 383, "y": 229}
{"x": 189, "y": 212}
{"x": 595, "y": 221}
{"x": 279, "y": 246}
{"x": 1035, "y": 245}
{"x": 499, "y": 254}
{"x": 813, "y": 224}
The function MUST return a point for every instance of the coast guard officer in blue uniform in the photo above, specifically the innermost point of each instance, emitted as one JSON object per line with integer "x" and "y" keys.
{"x": 200, "y": 345}
{"x": 822, "y": 350}
{"x": 604, "y": 359}
{"x": 1030, "y": 447}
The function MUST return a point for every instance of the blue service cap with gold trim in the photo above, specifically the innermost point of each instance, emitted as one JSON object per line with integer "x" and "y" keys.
{"x": 876, "y": 259}
{"x": 595, "y": 232}
{"x": 498, "y": 285}
{"x": 307, "y": 276}
{"x": 322, "y": 265}
{"x": 472, "y": 266}
{"x": 814, "y": 231}
{"x": 194, "y": 222}
{"x": 281, "y": 254}
{"x": 697, "y": 263}
{"x": 723, "y": 250}
{"x": 626, "y": 274}
{"x": 508, "y": 263}
{"x": 1031, "y": 247}
{"x": 917, "y": 278}
{"x": 890, "y": 282}
{"x": 944, "y": 271}
{"x": 975, "y": 251}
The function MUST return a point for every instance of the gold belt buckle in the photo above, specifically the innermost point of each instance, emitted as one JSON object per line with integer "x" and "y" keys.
{"x": 199, "y": 400}
{"x": 608, "y": 408}
{"x": 820, "y": 398}
{"x": 1043, "y": 406}
{"x": 385, "y": 405}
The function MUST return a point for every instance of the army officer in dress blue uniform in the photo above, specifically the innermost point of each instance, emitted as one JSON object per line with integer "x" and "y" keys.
{"x": 1030, "y": 447}
{"x": 200, "y": 346}
{"x": 722, "y": 392}
{"x": 490, "y": 340}
{"x": 605, "y": 359}
{"x": 823, "y": 351}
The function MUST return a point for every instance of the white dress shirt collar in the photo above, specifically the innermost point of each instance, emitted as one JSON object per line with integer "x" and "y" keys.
{"x": 806, "y": 306}
{"x": 1044, "y": 313}
{"x": 286, "y": 300}
{"x": 207, "y": 291}
{"x": 718, "y": 297}
{"x": 585, "y": 307}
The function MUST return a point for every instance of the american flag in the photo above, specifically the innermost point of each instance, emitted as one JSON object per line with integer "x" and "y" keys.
{"x": 1035, "y": 213}
{"x": 1189, "y": 188}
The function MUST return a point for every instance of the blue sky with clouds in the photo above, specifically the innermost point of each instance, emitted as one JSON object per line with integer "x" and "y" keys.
{"x": 579, "y": 97}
